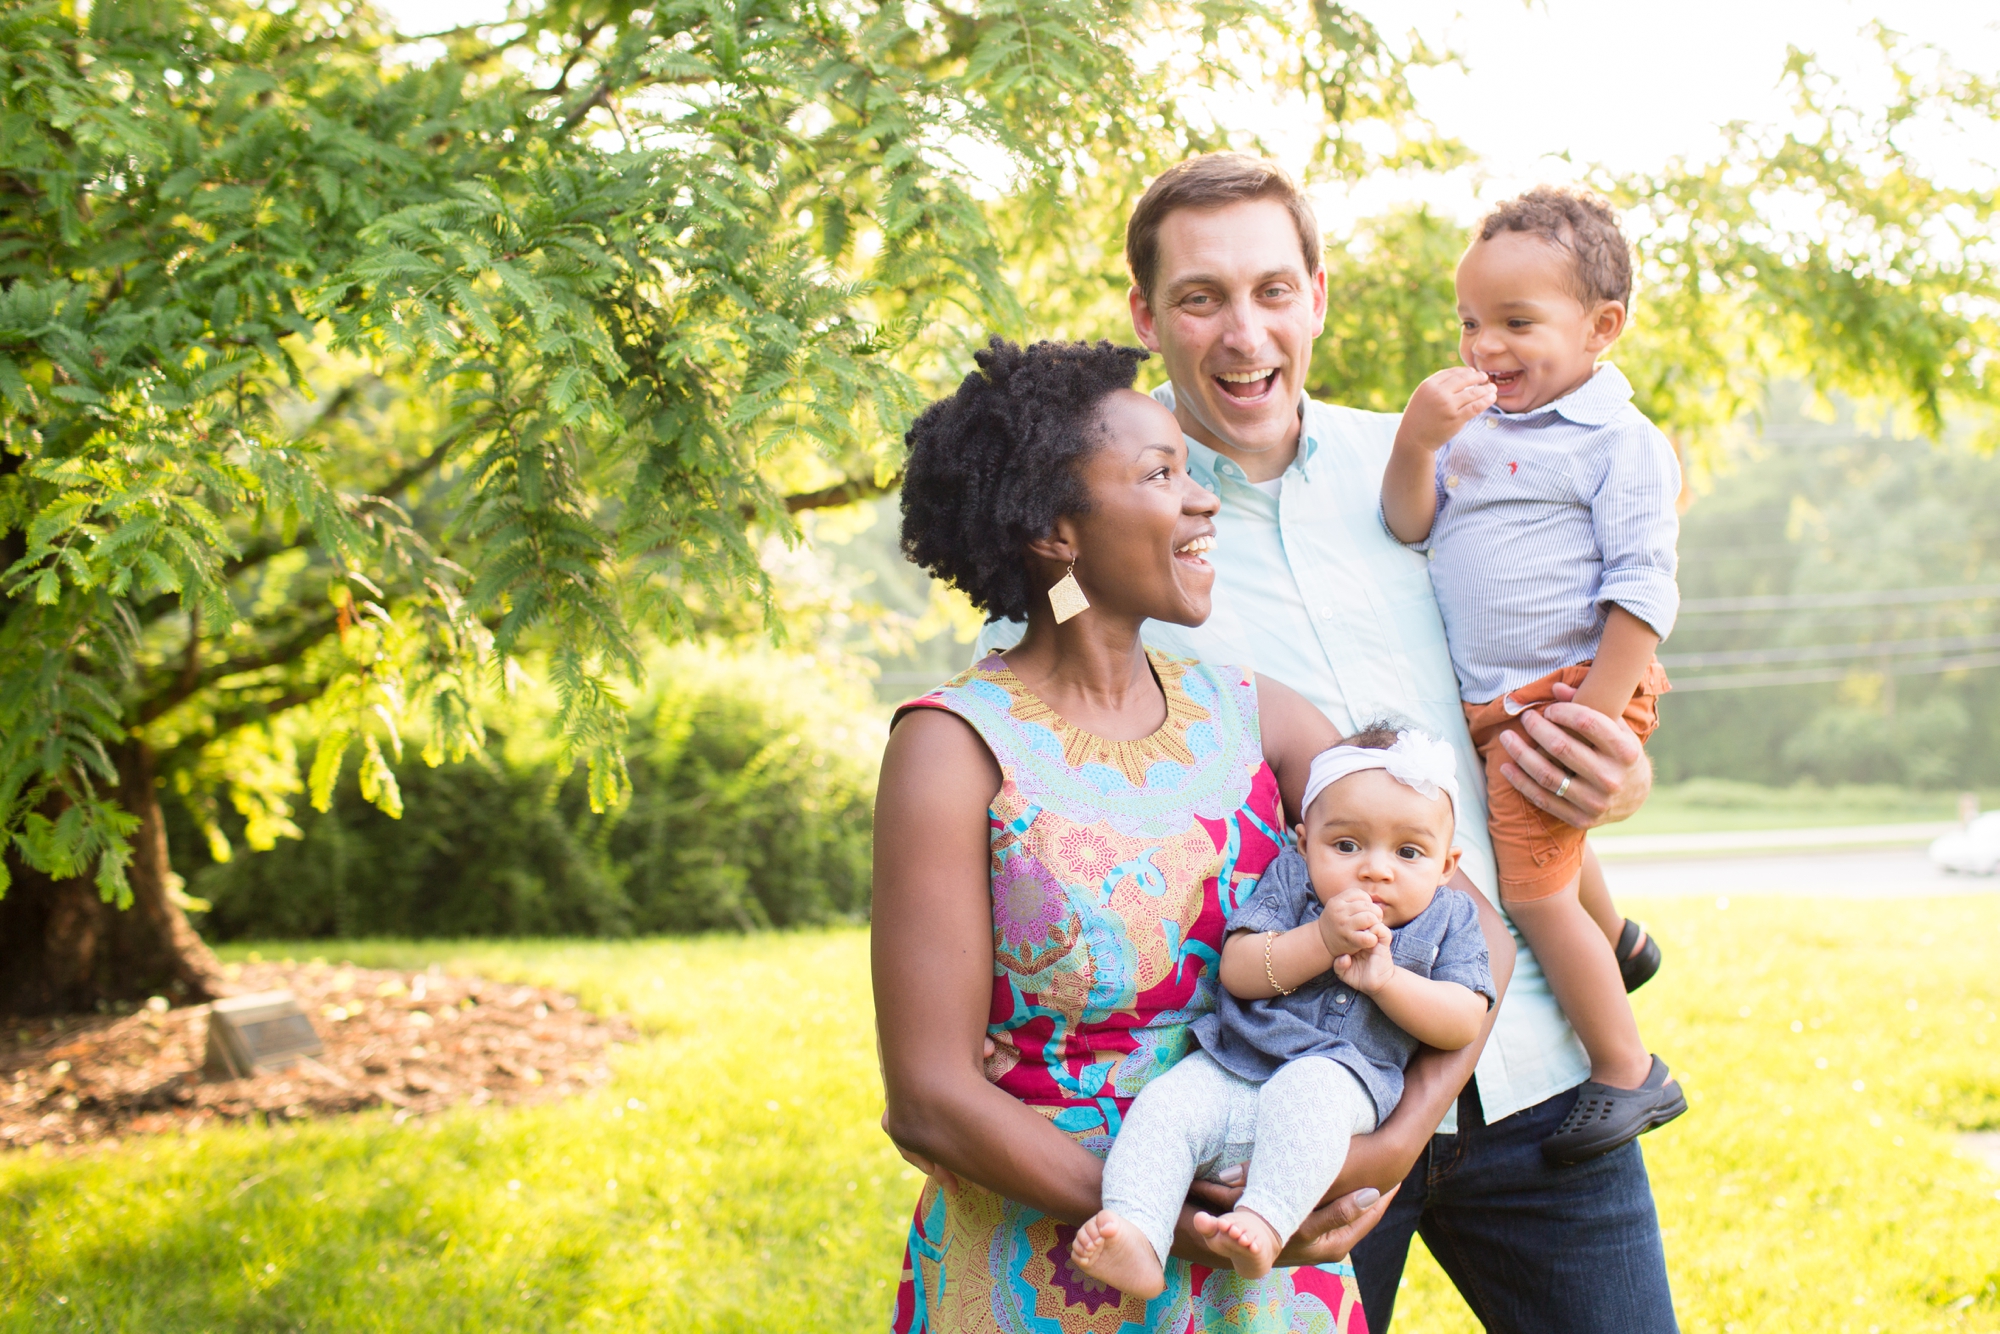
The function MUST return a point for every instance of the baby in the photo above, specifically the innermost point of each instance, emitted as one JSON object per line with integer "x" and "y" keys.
{"x": 1546, "y": 501}
{"x": 1345, "y": 957}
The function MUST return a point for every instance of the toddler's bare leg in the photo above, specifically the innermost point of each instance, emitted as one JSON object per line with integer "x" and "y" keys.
{"x": 1595, "y": 895}
{"x": 1583, "y": 972}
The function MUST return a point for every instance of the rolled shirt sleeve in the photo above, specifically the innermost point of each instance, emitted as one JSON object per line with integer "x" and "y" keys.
{"x": 1637, "y": 524}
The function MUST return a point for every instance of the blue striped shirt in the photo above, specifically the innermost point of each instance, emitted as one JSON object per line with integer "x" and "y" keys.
{"x": 1545, "y": 519}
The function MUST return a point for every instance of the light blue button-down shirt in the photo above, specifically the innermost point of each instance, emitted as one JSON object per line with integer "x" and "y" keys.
{"x": 1544, "y": 520}
{"x": 1313, "y": 591}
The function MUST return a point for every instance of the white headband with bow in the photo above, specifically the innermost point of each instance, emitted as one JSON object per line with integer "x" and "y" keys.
{"x": 1418, "y": 761}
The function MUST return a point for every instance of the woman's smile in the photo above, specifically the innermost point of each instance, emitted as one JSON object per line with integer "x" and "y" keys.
{"x": 1194, "y": 549}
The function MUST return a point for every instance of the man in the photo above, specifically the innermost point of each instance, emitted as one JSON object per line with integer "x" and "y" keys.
{"x": 1312, "y": 590}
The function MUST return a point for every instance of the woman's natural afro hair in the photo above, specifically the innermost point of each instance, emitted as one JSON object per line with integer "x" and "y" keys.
{"x": 993, "y": 467}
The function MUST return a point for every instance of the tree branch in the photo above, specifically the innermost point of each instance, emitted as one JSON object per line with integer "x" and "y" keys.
{"x": 849, "y": 492}
{"x": 226, "y": 723}
{"x": 186, "y": 685}
{"x": 409, "y": 476}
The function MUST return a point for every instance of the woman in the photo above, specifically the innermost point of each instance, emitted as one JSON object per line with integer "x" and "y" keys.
{"x": 1060, "y": 834}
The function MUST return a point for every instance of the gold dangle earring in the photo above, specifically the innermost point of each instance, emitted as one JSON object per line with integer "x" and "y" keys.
{"x": 1066, "y": 596}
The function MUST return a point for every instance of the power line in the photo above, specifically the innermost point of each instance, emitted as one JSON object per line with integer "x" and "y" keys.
{"x": 1889, "y": 597}
{"x": 1825, "y": 652}
{"x": 1833, "y": 617}
{"x": 1812, "y": 675}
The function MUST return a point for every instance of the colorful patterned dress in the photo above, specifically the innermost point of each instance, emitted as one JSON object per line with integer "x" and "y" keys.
{"x": 1115, "y": 864}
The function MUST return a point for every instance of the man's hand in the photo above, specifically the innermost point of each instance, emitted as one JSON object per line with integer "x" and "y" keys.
{"x": 1442, "y": 406}
{"x": 1608, "y": 773}
{"x": 1351, "y": 923}
{"x": 1367, "y": 971}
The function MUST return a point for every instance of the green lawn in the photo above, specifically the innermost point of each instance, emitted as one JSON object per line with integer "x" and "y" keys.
{"x": 732, "y": 1177}
{"x": 1707, "y": 805}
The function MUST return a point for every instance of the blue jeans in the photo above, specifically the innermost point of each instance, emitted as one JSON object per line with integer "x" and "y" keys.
{"x": 1534, "y": 1248}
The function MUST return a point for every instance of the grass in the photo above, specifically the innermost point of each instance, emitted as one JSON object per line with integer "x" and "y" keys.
{"x": 732, "y": 1177}
{"x": 1708, "y": 805}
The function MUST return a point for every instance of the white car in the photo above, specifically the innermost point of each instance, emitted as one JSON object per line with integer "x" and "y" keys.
{"x": 1974, "y": 850}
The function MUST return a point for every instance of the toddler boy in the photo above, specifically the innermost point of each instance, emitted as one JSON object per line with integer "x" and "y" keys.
{"x": 1547, "y": 503}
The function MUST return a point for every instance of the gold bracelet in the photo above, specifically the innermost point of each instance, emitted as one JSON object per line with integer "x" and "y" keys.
{"x": 1270, "y": 976}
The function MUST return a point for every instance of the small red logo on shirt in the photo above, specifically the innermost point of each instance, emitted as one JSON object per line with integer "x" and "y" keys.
{"x": 1513, "y": 468}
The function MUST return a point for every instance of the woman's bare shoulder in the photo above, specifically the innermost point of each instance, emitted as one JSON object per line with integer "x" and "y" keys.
{"x": 935, "y": 746}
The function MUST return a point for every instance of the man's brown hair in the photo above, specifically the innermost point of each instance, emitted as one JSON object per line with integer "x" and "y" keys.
{"x": 1583, "y": 227}
{"x": 1212, "y": 181}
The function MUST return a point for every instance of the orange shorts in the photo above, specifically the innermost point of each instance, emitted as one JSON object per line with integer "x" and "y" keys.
{"x": 1538, "y": 854}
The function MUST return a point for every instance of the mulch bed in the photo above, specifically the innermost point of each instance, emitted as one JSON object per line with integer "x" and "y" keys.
{"x": 416, "y": 1042}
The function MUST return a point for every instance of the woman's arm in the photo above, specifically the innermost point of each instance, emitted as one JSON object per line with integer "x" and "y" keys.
{"x": 932, "y": 951}
{"x": 1294, "y": 731}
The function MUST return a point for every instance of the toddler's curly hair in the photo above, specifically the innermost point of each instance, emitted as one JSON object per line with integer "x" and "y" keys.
{"x": 1580, "y": 224}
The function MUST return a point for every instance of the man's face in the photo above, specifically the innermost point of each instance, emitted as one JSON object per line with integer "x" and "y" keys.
{"x": 1234, "y": 314}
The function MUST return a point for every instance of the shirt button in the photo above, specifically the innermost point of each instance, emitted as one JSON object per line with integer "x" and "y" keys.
{"x": 1492, "y": 423}
{"x": 1340, "y": 998}
{"x": 1326, "y": 613}
{"x": 1452, "y": 481}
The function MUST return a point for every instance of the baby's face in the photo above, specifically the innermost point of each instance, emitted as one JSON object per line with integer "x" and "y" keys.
{"x": 1372, "y": 832}
{"x": 1521, "y": 323}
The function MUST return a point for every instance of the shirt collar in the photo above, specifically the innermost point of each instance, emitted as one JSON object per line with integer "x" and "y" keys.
{"x": 1593, "y": 403}
{"x": 1207, "y": 465}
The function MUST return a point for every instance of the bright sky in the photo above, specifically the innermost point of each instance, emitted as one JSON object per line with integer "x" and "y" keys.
{"x": 1625, "y": 83}
{"x": 1630, "y": 84}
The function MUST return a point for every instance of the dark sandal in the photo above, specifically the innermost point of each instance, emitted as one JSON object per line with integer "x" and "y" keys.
{"x": 1637, "y": 968}
{"x": 1605, "y": 1118}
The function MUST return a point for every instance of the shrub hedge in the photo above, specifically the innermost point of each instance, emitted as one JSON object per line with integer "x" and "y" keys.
{"x": 752, "y": 787}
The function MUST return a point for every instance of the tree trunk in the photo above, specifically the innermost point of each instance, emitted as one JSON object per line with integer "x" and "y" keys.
{"x": 64, "y": 948}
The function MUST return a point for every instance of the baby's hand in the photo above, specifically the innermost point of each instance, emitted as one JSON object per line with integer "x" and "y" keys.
{"x": 1350, "y": 923}
{"x": 1442, "y": 405}
{"x": 1369, "y": 971}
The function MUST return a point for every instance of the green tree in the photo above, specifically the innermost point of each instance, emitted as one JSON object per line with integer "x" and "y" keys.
{"x": 1827, "y": 254}
{"x": 341, "y": 372}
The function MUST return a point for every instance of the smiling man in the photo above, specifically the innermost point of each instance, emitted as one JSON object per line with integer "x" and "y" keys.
{"x": 1312, "y": 590}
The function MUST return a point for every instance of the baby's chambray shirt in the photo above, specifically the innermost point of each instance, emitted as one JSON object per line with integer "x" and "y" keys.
{"x": 1544, "y": 519}
{"x": 1326, "y": 1017}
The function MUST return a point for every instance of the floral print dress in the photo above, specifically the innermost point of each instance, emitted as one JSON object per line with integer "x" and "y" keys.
{"x": 1115, "y": 865}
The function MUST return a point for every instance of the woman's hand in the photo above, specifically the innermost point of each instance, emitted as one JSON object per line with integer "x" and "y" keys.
{"x": 1603, "y": 762}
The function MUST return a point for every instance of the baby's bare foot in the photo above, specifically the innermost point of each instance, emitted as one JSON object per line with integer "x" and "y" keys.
{"x": 1113, "y": 1251}
{"x": 1250, "y": 1243}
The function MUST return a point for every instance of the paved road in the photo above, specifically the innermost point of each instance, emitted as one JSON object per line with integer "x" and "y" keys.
{"x": 1900, "y": 873}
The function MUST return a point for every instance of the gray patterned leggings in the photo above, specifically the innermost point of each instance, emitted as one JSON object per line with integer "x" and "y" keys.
{"x": 1198, "y": 1118}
